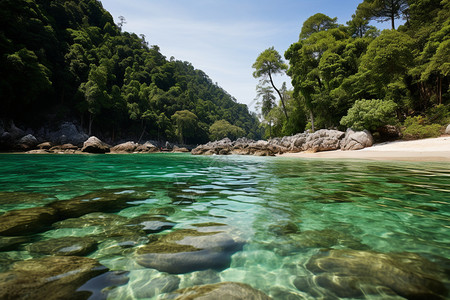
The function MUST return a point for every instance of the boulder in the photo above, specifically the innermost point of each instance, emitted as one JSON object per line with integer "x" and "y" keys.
{"x": 147, "y": 148}
{"x": 323, "y": 140}
{"x": 54, "y": 277}
{"x": 150, "y": 223}
{"x": 65, "y": 246}
{"x": 146, "y": 289}
{"x": 106, "y": 220}
{"x": 356, "y": 140}
{"x": 95, "y": 145}
{"x": 10, "y": 243}
{"x": 45, "y": 146}
{"x": 128, "y": 147}
{"x": 26, "y": 221}
{"x": 177, "y": 149}
{"x": 223, "y": 290}
{"x": 27, "y": 142}
{"x": 187, "y": 250}
{"x": 353, "y": 274}
{"x": 447, "y": 130}
{"x": 67, "y": 133}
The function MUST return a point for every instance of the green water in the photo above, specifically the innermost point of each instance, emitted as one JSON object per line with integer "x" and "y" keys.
{"x": 286, "y": 210}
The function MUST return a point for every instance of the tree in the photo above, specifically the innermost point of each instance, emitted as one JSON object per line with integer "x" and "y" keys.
{"x": 222, "y": 129}
{"x": 318, "y": 22}
{"x": 267, "y": 98}
{"x": 186, "y": 124}
{"x": 383, "y": 10}
{"x": 370, "y": 114}
{"x": 267, "y": 64}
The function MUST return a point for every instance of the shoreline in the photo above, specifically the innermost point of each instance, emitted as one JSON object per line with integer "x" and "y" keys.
{"x": 431, "y": 150}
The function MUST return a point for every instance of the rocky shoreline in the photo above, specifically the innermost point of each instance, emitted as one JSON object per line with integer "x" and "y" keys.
{"x": 321, "y": 140}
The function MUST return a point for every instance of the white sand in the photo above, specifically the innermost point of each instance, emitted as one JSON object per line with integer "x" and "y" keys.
{"x": 436, "y": 149}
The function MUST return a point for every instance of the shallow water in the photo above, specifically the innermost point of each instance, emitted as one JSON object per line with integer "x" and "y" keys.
{"x": 286, "y": 210}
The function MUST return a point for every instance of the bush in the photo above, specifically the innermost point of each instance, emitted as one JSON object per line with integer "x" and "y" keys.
{"x": 370, "y": 114}
{"x": 222, "y": 129}
{"x": 418, "y": 128}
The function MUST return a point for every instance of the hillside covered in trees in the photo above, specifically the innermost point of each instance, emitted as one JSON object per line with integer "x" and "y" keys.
{"x": 68, "y": 60}
{"x": 353, "y": 75}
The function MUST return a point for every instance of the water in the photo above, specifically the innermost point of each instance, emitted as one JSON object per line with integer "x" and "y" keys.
{"x": 286, "y": 212}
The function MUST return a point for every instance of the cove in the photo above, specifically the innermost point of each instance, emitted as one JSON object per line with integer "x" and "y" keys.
{"x": 158, "y": 226}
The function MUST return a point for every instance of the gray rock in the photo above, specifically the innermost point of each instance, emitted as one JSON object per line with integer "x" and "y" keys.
{"x": 65, "y": 246}
{"x": 26, "y": 221}
{"x": 54, "y": 277}
{"x": 92, "y": 219}
{"x": 150, "y": 223}
{"x": 351, "y": 274}
{"x": 148, "y": 147}
{"x": 356, "y": 140}
{"x": 447, "y": 130}
{"x": 223, "y": 290}
{"x": 95, "y": 145}
{"x": 27, "y": 142}
{"x": 156, "y": 286}
{"x": 188, "y": 250}
{"x": 323, "y": 140}
{"x": 68, "y": 133}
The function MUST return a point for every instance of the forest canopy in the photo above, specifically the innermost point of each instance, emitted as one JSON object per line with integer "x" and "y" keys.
{"x": 353, "y": 75}
{"x": 68, "y": 60}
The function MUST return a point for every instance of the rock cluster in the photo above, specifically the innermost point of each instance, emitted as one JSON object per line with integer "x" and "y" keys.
{"x": 321, "y": 140}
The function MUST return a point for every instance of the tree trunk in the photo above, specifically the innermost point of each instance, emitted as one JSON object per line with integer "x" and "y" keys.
{"x": 281, "y": 96}
{"x": 393, "y": 21}
{"x": 312, "y": 120}
{"x": 440, "y": 90}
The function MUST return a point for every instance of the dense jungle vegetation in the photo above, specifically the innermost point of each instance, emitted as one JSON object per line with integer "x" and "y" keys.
{"x": 353, "y": 75}
{"x": 68, "y": 60}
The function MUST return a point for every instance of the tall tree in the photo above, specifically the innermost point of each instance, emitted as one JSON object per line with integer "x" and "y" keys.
{"x": 383, "y": 10}
{"x": 267, "y": 64}
{"x": 318, "y": 22}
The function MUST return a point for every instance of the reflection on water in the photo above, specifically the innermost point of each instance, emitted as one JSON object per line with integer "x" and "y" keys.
{"x": 290, "y": 228}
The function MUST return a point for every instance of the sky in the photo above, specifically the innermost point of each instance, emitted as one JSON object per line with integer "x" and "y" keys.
{"x": 223, "y": 38}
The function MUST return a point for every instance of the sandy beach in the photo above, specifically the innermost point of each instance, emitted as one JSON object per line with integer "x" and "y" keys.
{"x": 435, "y": 149}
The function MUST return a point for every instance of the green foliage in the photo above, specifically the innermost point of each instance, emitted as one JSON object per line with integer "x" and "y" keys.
{"x": 370, "y": 114}
{"x": 222, "y": 129}
{"x": 318, "y": 22}
{"x": 186, "y": 125}
{"x": 418, "y": 127}
{"x": 383, "y": 10}
{"x": 70, "y": 58}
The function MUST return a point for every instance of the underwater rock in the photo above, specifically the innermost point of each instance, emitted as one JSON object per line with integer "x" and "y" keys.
{"x": 158, "y": 285}
{"x": 223, "y": 290}
{"x": 102, "y": 201}
{"x": 93, "y": 219}
{"x": 65, "y": 246}
{"x": 100, "y": 286}
{"x": 278, "y": 292}
{"x": 188, "y": 250}
{"x": 9, "y": 243}
{"x": 201, "y": 278}
{"x": 26, "y": 221}
{"x": 350, "y": 273}
{"x": 150, "y": 223}
{"x": 326, "y": 238}
{"x": 53, "y": 277}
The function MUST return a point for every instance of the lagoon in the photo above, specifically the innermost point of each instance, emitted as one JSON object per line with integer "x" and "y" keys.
{"x": 290, "y": 228}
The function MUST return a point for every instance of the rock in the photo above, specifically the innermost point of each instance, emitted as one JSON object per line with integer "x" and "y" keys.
{"x": 389, "y": 132}
{"x": 147, "y": 148}
{"x": 223, "y": 290}
{"x": 150, "y": 223}
{"x": 177, "y": 149}
{"x": 65, "y": 246}
{"x": 54, "y": 277}
{"x": 156, "y": 286}
{"x": 447, "y": 130}
{"x": 188, "y": 250}
{"x": 323, "y": 140}
{"x": 103, "y": 201}
{"x": 26, "y": 221}
{"x": 351, "y": 274}
{"x": 10, "y": 243}
{"x": 92, "y": 219}
{"x": 128, "y": 147}
{"x": 68, "y": 133}
{"x": 45, "y": 145}
{"x": 100, "y": 286}
{"x": 326, "y": 238}
{"x": 94, "y": 145}
{"x": 15, "y": 132}
{"x": 356, "y": 140}
{"x": 27, "y": 142}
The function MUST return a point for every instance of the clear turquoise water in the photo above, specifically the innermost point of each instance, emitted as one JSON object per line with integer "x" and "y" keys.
{"x": 380, "y": 206}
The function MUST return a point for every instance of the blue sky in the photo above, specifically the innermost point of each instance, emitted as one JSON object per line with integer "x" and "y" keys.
{"x": 224, "y": 37}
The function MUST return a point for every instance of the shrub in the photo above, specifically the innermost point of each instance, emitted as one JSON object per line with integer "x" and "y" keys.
{"x": 418, "y": 128}
{"x": 370, "y": 114}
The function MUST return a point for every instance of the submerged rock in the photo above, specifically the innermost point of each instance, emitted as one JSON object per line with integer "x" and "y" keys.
{"x": 54, "y": 277}
{"x": 93, "y": 219}
{"x": 95, "y": 145}
{"x": 350, "y": 273}
{"x": 187, "y": 250}
{"x": 65, "y": 246}
{"x": 26, "y": 221}
{"x": 223, "y": 290}
{"x": 9, "y": 243}
{"x": 150, "y": 223}
{"x": 103, "y": 201}
{"x": 159, "y": 285}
